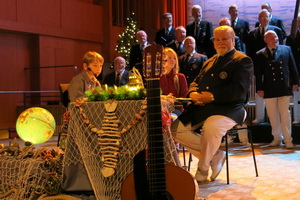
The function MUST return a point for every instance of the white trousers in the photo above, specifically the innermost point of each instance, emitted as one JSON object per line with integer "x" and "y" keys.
{"x": 259, "y": 108}
{"x": 280, "y": 118}
{"x": 297, "y": 105}
{"x": 203, "y": 146}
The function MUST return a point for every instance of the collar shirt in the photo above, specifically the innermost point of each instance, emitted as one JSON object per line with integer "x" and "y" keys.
{"x": 197, "y": 26}
{"x": 168, "y": 30}
{"x": 262, "y": 29}
{"x": 121, "y": 73}
{"x": 233, "y": 22}
{"x": 179, "y": 44}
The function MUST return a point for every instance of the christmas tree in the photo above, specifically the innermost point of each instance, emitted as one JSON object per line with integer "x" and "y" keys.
{"x": 127, "y": 38}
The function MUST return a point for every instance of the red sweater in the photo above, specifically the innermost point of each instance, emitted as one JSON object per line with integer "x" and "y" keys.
{"x": 168, "y": 86}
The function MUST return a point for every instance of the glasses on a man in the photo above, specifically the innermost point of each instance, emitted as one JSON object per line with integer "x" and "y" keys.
{"x": 221, "y": 40}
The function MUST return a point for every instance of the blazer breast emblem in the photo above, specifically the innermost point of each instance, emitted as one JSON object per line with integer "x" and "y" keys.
{"x": 223, "y": 75}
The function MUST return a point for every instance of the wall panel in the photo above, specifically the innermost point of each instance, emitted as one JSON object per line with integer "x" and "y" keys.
{"x": 8, "y": 10}
{"x": 62, "y": 18}
{"x": 14, "y": 56}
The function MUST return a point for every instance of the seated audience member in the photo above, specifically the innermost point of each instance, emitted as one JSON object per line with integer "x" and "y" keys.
{"x": 137, "y": 51}
{"x": 200, "y": 29}
{"x": 224, "y": 22}
{"x": 243, "y": 137}
{"x": 218, "y": 94}
{"x": 276, "y": 79}
{"x": 120, "y": 76}
{"x": 177, "y": 45}
{"x": 294, "y": 43}
{"x": 166, "y": 35}
{"x": 171, "y": 81}
{"x": 86, "y": 80}
{"x": 191, "y": 62}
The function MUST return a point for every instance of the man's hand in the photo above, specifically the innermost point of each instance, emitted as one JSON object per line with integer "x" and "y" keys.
{"x": 261, "y": 93}
{"x": 201, "y": 98}
{"x": 295, "y": 88}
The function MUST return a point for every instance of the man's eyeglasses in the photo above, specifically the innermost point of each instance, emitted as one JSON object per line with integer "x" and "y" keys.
{"x": 221, "y": 40}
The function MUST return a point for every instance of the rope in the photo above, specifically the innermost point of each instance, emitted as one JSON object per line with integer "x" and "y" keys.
{"x": 58, "y": 197}
{"x": 11, "y": 191}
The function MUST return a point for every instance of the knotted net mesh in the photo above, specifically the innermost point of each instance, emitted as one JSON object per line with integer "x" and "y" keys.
{"x": 28, "y": 178}
{"x": 86, "y": 139}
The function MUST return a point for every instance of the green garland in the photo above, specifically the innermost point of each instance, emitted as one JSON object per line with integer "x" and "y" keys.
{"x": 119, "y": 93}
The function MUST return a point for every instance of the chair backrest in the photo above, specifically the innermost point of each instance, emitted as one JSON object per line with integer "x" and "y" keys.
{"x": 64, "y": 94}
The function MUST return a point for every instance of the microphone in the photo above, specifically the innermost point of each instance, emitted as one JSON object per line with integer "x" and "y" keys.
{"x": 89, "y": 69}
{"x": 94, "y": 78}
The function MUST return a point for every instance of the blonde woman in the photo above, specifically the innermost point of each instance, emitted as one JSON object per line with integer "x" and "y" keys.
{"x": 171, "y": 81}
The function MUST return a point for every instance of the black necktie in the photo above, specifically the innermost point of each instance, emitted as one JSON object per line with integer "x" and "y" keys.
{"x": 273, "y": 53}
{"x": 197, "y": 31}
{"x": 187, "y": 58}
{"x": 179, "y": 45}
{"x": 167, "y": 32}
{"x": 118, "y": 79}
{"x": 263, "y": 32}
{"x": 142, "y": 48}
{"x": 232, "y": 23}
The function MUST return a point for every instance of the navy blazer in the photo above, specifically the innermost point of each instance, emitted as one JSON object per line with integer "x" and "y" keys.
{"x": 256, "y": 40}
{"x": 202, "y": 39}
{"x": 294, "y": 43}
{"x": 241, "y": 30}
{"x": 276, "y": 75}
{"x": 191, "y": 68}
{"x": 173, "y": 46}
{"x": 136, "y": 58}
{"x": 163, "y": 39}
{"x": 275, "y": 21}
{"x": 110, "y": 79}
{"x": 228, "y": 80}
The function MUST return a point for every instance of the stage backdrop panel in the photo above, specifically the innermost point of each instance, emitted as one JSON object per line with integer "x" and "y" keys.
{"x": 213, "y": 11}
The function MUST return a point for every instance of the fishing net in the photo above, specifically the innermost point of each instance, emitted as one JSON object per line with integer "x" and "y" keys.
{"x": 103, "y": 138}
{"x": 27, "y": 173}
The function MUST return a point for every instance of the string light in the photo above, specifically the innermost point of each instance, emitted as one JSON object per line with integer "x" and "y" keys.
{"x": 127, "y": 38}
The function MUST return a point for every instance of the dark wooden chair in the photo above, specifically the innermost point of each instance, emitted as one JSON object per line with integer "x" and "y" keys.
{"x": 234, "y": 131}
{"x": 231, "y": 132}
{"x": 64, "y": 96}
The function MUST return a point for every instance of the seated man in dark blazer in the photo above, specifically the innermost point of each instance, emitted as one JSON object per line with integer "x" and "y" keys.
{"x": 218, "y": 94}
{"x": 191, "y": 62}
{"x": 120, "y": 76}
{"x": 166, "y": 35}
{"x": 225, "y": 21}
